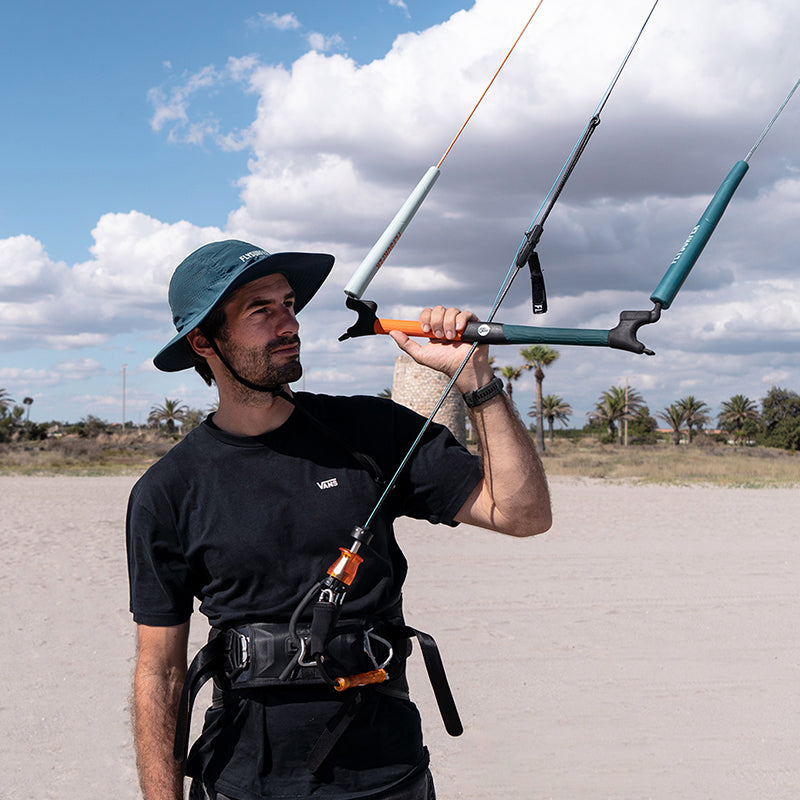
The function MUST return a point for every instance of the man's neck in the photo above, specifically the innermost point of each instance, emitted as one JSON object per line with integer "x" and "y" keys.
{"x": 260, "y": 415}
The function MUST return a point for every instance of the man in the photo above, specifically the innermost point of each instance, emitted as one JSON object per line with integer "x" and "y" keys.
{"x": 246, "y": 514}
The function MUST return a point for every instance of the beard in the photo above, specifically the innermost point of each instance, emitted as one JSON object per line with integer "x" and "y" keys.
{"x": 260, "y": 366}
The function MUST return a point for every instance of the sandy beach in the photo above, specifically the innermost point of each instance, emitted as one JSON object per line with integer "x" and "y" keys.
{"x": 647, "y": 647}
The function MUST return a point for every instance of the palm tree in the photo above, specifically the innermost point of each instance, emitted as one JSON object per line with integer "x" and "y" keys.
{"x": 5, "y": 401}
{"x": 510, "y": 374}
{"x": 675, "y": 417}
{"x": 192, "y": 418}
{"x": 616, "y": 405}
{"x": 169, "y": 413}
{"x": 642, "y": 426}
{"x": 537, "y": 357}
{"x": 695, "y": 414}
{"x": 736, "y": 413}
{"x": 554, "y": 408}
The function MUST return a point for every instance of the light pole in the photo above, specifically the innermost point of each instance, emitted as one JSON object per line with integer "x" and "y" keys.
{"x": 123, "y": 396}
{"x": 626, "y": 412}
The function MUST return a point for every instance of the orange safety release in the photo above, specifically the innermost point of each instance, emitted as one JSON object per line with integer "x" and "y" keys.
{"x": 345, "y": 567}
{"x": 362, "y": 679}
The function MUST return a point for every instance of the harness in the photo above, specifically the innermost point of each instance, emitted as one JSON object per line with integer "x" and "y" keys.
{"x": 359, "y": 654}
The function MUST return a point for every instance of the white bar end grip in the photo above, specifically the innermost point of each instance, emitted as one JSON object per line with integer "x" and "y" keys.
{"x": 381, "y": 249}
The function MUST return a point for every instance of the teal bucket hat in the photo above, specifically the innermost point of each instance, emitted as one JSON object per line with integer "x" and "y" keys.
{"x": 214, "y": 271}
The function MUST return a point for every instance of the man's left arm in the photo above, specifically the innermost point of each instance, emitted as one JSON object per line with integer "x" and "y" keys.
{"x": 512, "y": 497}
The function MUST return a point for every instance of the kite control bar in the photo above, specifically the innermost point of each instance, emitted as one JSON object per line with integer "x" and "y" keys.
{"x": 622, "y": 337}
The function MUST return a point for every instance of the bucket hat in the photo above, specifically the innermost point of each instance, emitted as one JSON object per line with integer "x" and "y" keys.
{"x": 214, "y": 271}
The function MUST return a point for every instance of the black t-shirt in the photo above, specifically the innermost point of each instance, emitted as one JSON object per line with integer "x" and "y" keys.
{"x": 247, "y": 525}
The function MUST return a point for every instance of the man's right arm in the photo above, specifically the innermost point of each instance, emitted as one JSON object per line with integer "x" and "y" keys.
{"x": 158, "y": 681}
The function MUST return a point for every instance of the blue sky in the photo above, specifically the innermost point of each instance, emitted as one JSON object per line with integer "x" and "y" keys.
{"x": 77, "y": 137}
{"x": 133, "y": 134}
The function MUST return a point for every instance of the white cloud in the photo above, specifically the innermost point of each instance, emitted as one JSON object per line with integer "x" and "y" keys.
{"x": 80, "y": 368}
{"x": 428, "y": 279}
{"x": 20, "y": 376}
{"x": 240, "y": 69}
{"x": 134, "y": 255}
{"x": 122, "y": 288}
{"x": 322, "y": 43}
{"x": 401, "y": 5}
{"x": 27, "y": 271}
{"x": 73, "y": 341}
{"x": 281, "y": 22}
{"x": 172, "y": 104}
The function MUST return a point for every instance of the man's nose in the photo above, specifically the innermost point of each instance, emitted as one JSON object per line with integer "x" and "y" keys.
{"x": 287, "y": 324}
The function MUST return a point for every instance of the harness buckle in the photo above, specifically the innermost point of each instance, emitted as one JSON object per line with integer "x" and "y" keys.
{"x": 238, "y": 652}
{"x": 301, "y": 657}
{"x": 369, "y": 635}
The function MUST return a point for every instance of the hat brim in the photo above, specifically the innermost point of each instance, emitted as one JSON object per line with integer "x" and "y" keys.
{"x": 305, "y": 273}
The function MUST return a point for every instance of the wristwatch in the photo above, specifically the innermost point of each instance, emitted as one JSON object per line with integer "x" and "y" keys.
{"x": 483, "y": 393}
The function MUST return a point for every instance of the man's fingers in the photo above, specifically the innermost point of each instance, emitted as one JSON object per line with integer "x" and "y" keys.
{"x": 445, "y": 323}
{"x": 404, "y": 342}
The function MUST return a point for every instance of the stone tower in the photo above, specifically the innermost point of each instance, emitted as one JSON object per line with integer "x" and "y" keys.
{"x": 418, "y": 388}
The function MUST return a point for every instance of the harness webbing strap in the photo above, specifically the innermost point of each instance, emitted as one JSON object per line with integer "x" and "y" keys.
{"x": 334, "y": 731}
{"x": 438, "y": 679}
{"x": 209, "y": 661}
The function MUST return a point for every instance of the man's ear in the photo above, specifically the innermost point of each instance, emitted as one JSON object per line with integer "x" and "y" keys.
{"x": 199, "y": 343}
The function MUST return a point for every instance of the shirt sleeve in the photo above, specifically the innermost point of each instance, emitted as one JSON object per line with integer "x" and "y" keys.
{"x": 158, "y": 575}
{"x": 440, "y": 476}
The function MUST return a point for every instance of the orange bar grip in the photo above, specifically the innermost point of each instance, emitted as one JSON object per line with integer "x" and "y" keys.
{"x": 362, "y": 679}
{"x": 406, "y": 326}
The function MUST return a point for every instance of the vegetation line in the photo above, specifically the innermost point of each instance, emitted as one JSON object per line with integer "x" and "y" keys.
{"x": 620, "y": 441}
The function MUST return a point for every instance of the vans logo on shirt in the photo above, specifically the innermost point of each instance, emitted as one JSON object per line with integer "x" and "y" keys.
{"x": 328, "y": 484}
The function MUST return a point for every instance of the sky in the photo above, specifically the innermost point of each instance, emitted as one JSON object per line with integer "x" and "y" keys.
{"x": 134, "y": 133}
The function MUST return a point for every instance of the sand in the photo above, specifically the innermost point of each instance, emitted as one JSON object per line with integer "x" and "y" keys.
{"x": 647, "y": 647}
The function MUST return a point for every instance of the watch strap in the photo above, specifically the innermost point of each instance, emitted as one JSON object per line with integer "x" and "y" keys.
{"x": 483, "y": 393}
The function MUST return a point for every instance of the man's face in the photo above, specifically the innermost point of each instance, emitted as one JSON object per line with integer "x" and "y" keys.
{"x": 260, "y": 336}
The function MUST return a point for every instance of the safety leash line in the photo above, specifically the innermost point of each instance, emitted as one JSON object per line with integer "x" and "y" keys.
{"x": 488, "y": 86}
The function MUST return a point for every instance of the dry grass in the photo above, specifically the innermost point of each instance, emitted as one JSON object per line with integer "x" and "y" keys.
{"x": 718, "y": 465}
{"x": 107, "y": 454}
